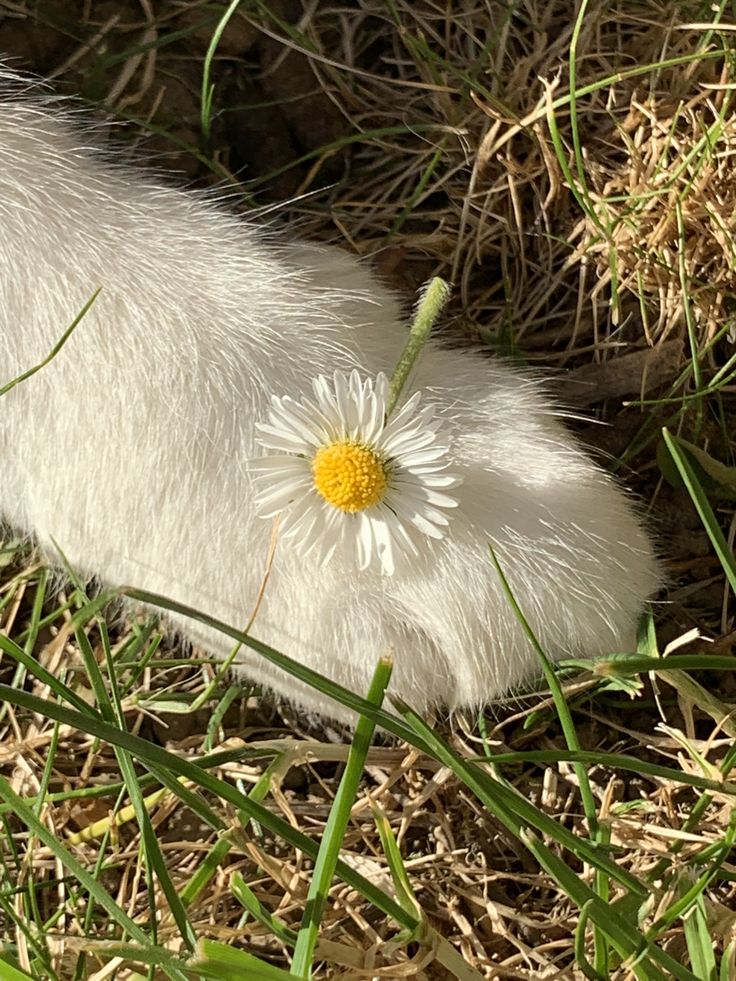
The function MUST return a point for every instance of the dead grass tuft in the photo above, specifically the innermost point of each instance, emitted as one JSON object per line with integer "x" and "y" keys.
{"x": 666, "y": 197}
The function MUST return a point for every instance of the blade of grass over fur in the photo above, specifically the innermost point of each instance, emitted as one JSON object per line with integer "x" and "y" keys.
{"x": 621, "y": 932}
{"x": 337, "y": 822}
{"x": 431, "y": 301}
{"x": 54, "y": 350}
{"x": 147, "y": 752}
{"x": 561, "y": 706}
{"x": 208, "y": 87}
{"x": 702, "y": 506}
{"x": 530, "y": 814}
{"x": 318, "y": 681}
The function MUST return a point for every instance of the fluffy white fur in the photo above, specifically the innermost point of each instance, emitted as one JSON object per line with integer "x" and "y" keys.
{"x": 131, "y": 449}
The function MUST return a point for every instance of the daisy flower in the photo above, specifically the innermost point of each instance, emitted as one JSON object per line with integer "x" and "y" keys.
{"x": 345, "y": 478}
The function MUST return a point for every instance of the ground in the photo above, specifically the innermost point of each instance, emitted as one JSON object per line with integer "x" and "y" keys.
{"x": 569, "y": 169}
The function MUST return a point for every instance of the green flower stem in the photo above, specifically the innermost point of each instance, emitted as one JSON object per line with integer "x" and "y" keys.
{"x": 337, "y": 822}
{"x": 429, "y": 308}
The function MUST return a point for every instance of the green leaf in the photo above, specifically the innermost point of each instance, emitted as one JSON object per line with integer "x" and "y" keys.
{"x": 700, "y": 942}
{"x": 703, "y": 508}
{"x": 245, "y": 895}
{"x": 714, "y": 477}
{"x": 10, "y": 973}
{"x": 217, "y": 960}
{"x": 621, "y": 931}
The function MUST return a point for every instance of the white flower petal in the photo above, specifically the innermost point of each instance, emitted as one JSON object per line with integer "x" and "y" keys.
{"x": 384, "y": 545}
{"x": 408, "y": 442}
{"x": 364, "y": 541}
{"x": 274, "y": 438}
{"x": 276, "y": 464}
{"x": 402, "y": 415}
{"x": 420, "y": 494}
{"x": 421, "y": 457}
{"x": 309, "y": 429}
{"x": 277, "y": 497}
{"x": 429, "y": 521}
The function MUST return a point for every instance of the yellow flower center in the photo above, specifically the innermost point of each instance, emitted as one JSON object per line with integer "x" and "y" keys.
{"x": 349, "y": 476}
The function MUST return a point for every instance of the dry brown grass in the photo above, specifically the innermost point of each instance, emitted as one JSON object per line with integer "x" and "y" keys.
{"x": 456, "y": 174}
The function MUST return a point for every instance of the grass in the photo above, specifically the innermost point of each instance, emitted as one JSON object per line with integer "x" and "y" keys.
{"x": 572, "y": 177}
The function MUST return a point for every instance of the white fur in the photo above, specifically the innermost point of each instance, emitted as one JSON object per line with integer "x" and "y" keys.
{"x": 131, "y": 448}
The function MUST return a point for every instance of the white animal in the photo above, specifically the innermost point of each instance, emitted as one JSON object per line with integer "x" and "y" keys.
{"x": 131, "y": 449}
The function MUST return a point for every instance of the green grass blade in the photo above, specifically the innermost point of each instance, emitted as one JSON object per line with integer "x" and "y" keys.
{"x": 337, "y": 822}
{"x": 155, "y": 864}
{"x": 147, "y": 752}
{"x": 62, "y": 691}
{"x": 323, "y": 684}
{"x": 700, "y": 942}
{"x": 4, "y": 389}
{"x": 245, "y": 895}
{"x": 10, "y": 973}
{"x": 217, "y": 960}
{"x": 561, "y": 706}
{"x": 624, "y": 936}
{"x": 100, "y": 895}
{"x": 208, "y": 87}
{"x": 702, "y": 506}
